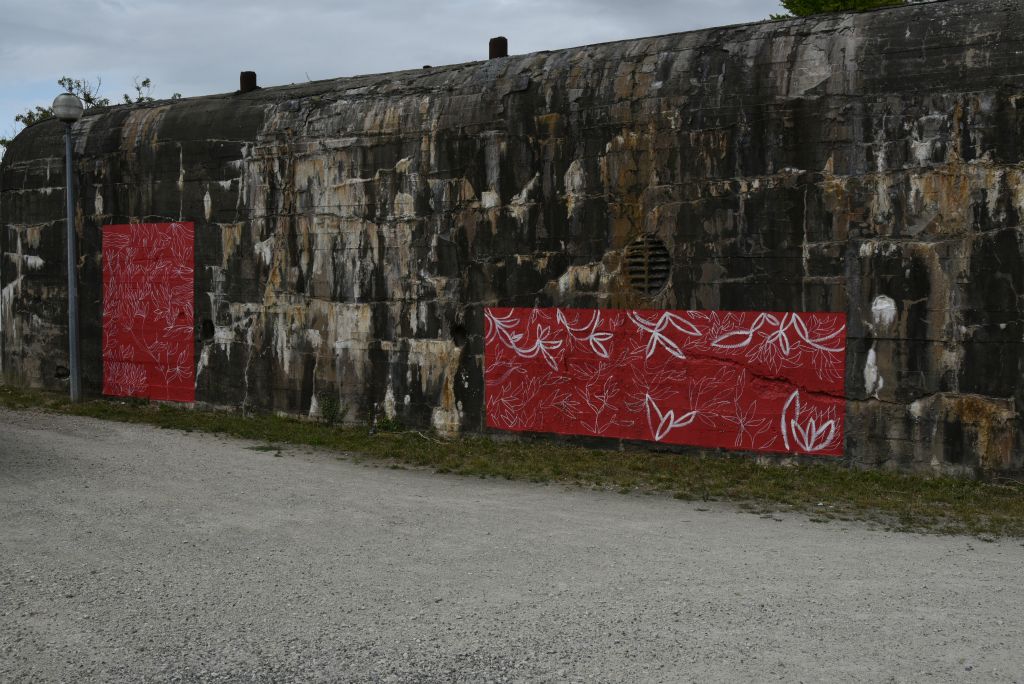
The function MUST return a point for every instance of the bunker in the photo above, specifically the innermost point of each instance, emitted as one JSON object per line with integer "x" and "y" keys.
{"x": 349, "y": 235}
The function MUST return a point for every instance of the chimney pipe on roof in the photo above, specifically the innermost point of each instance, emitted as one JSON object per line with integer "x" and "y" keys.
{"x": 247, "y": 82}
{"x": 498, "y": 47}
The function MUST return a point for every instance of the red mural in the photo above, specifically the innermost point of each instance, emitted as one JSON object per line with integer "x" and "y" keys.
{"x": 735, "y": 379}
{"x": 148, "y": 348}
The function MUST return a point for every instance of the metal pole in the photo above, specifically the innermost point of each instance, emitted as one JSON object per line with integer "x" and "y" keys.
{"x": 76, "y": 378}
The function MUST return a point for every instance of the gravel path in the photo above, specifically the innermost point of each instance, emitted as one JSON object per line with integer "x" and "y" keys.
{"x": 129, "y": 552}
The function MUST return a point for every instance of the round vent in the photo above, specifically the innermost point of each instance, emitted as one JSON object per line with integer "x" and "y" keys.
{"x": 647, "y": 264}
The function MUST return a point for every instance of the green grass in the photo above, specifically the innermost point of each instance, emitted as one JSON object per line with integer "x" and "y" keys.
{"x": 826, "y": 492}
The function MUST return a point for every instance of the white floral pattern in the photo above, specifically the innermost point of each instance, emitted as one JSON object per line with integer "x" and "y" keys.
{"x": 148, "y": 345}
{"x": 761, "y": 381}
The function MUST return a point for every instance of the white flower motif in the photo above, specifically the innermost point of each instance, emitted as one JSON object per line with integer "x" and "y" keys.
{"x": 740, "y": 339}
{"x": 809, "y": 437}
{"x": 596, "y": 340}
{"x": 667, "y": 421}
{"x": 504, "y": 328}
{"x": 656, "y": 329}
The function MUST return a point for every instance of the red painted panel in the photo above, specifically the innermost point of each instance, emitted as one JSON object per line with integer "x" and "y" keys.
{"x": 735, "y": 379}
{"x": 148, "y": 348}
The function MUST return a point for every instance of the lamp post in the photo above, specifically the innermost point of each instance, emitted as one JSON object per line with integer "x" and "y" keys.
{"x": 68, "y": 108}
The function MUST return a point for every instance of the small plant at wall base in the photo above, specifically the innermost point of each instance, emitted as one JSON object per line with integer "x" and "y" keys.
{"x": 386, "y": 423}
{"x": 329, "y": 405}
{"x": 804, "y": 8}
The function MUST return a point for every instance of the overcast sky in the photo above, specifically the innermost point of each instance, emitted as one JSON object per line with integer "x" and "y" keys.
{"x": 198, "y": 47}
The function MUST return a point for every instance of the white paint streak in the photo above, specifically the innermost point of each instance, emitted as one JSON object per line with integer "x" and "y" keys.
{"x": 403, "y": 165}
{"x": 224, "y": 337}
{"x": 521, "y": 202}
{"x": 489, "y": 199}
{"x": 916, "y": 409}
{"x": 405, "y": 206}
{"x": 873, "y": 381}
{"x": 586, "y": 278}
{"x": 265, "y": 250}
{"x": 204, "y": 360}
{"x": 883, "y": 312}
{"x": 575, "y": 184}
{"x": 181, "y": 171}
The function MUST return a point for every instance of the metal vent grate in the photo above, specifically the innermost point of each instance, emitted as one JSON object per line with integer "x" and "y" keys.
{"x": 647, "y": 264}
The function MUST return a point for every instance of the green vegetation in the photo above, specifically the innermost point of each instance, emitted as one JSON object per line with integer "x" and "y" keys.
{"x": 385, "y": 424}
{"x": 804, "y": 8}
{"x": 329, "y": 406}
{"x": 825, "y": 492}
{"x": 89, "y": 94}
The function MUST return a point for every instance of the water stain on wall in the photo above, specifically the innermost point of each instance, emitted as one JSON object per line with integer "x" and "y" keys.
{"x": 350, "y": 233}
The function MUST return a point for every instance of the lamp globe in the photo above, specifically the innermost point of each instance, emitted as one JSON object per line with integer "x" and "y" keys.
{"x": 67, "y": 107}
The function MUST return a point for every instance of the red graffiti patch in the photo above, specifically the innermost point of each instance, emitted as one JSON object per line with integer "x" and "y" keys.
{"x": 734, "y": 379}
{"x": 148, "y": 348}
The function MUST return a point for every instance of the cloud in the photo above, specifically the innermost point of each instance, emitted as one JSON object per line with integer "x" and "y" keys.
{"x": 197, "y": 47}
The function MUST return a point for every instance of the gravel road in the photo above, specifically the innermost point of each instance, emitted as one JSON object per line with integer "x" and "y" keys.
{"x": 134, "y": 553}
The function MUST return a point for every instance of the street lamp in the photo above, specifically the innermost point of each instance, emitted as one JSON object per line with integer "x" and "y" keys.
{"x": 68, "y": 108}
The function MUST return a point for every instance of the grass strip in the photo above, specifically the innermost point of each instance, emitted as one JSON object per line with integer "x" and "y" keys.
{"x": 825, "y": 492}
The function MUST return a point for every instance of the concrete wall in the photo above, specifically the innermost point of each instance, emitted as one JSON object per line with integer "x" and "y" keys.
{"x": 349, "y": 232}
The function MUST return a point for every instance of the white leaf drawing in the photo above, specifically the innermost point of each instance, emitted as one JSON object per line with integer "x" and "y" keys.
{"x": 809, "y": 437}
{"x": 667, "y": 421}
{"x": 656, "y": 329}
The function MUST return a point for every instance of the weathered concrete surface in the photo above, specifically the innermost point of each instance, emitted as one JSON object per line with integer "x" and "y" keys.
{"x": 349, "y": 232}
{"x": 130, "y": 553}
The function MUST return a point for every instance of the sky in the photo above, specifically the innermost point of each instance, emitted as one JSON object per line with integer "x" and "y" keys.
{"x": 198, "y": 47}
